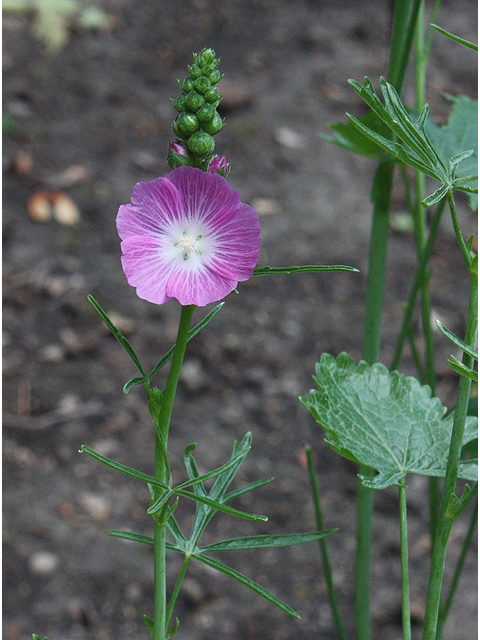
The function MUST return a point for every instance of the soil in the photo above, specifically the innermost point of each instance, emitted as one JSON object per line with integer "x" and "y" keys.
{"x": 89, "y": 122}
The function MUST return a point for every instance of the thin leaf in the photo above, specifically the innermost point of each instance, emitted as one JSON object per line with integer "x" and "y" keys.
{"x": 266, "y": 271}
{"x": 212, "y": 474}
{"x": 160, "y": 503}
{"x": 266, "y": 541}
{"x": 214, "y": 564}
{"x": 173, "y": 629}
{"x": 124, "y": 469}
{"x": 462, "y": 370}
{"x": 150, "y": 624}
{"x": 117, "y": 333}
{"x": 457, "y": 341}
{"x": 446, "y": 33}
{"x": 383, "y": 420}
{"x": 349, "y": 137}
{"x": 246, "y": 489}
{"x": 134, "y": 537}
{"x": 218, "y": 506}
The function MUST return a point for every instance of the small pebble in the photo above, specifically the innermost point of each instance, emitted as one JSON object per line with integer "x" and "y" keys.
{"x": 43, "y": 562}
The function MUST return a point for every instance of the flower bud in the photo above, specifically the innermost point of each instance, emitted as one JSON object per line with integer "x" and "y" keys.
{"x": 208, "y": 69}
{"x": 206, "y": 113}
{"x": 201, "y": 144}
{"x": 177, "y": 155}
{"x": 207, "y": 56}
{"x": 195, "y": 71}
{"x": 179, "y": 103}
{"x": 202, "y": 84}
{"x": 188, "y": 85}
{"x": 215, "y": 125}
{"x": 187, "y": 123}
{"x": 194, "y": 101}
{"x": 215, "y": 76}
{"x": 212, "y": 95}
{"x": 219, "y": 164}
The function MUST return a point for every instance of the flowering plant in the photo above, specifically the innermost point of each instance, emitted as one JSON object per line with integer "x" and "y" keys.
{"x": 187, "y": 236}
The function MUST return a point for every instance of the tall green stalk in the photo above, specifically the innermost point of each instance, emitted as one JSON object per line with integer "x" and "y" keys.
{"x": 445, "y": 520}
{"x": 404, "y": 21}
{"x": 406, "y": 623}
{"x": 160, "y": 594}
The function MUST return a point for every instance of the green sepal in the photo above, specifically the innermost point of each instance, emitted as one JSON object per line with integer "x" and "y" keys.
{"x": 239, "y": 577}
{"x": 265, "y": 541}
{"x": 35, "y": 637}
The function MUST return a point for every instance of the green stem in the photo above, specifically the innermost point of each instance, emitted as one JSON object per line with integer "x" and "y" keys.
{"x": 458, "y": 231}
{"x": 419, "y": 275}
{"x": 406, "y": 624}
{"x": 323, "y": 547}
{"x": 445, "y": 608}
{"x": 421, "y": 60}
{"x": 444, "y": 521}
{"x": 159, "y": 526}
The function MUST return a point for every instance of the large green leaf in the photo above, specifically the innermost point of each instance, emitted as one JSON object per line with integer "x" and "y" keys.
{"x": 384, "y": 420}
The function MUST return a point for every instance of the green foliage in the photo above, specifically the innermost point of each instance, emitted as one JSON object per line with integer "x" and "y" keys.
{"x": 448, "y": 153}
{"x": 415, "y": 148}
{"x": 384, "y": 420}
{"x": 455, "y": 38}
{"x": 145, "y": 378}
{"x": 456, "y": 365}
{"x": 207, "y": 504}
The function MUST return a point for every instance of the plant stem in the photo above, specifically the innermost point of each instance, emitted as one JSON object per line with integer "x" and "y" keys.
{"x": 445, "y": 608}
{"x": 406, "y": 624}
{"x": 458, "y": 231}
{"x": 445, "y": 522}
{"x": 323, "y": 546}
{"x": 159, "y": 526}
{"x": 407, "y": 318}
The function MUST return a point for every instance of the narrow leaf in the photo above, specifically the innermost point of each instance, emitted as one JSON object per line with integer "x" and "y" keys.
{"x": 264, "y": 541}
{"x": 265, "y": 271}
{"x": 246, "y": 489}
{"x": 218, "y": 506}
{"x": 446, "y": 33}
{"x": 134, "y": 537}
{"x": 457, "y": 341}
{"x": 117, "y": 333}
{"x": 462, "y": 370}
{"x": 133, "y": 383}
{"x": 228, "y": 571}
{"x": 124, "y": 469}
{"x": 160, "y": 503}
{"x": 173, "y": 629}
{"x": 213, "y": 473}
{"x": 150, "y": 624}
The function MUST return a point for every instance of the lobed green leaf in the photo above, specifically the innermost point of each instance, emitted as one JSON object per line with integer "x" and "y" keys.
{"x": 383, "y": 420}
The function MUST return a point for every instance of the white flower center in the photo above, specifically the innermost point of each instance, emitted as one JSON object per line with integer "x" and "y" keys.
{"x": 190, "y": 245}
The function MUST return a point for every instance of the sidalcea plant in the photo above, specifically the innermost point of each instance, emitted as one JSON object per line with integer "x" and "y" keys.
{"x": 187, "y": 236}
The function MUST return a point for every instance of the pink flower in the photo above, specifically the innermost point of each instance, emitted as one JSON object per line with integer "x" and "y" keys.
{"x": 187, "y": 236}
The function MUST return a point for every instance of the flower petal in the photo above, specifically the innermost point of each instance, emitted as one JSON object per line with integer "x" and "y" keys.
{"x": 198, "y": 286}
{"x": 237, "y": 245}
{"x": 205, "y": 196}
{"x": 148, "y": 265}
{"x": 156, "y": 206}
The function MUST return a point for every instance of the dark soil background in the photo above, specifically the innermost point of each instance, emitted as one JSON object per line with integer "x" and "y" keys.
{"x": 92, "y": 120}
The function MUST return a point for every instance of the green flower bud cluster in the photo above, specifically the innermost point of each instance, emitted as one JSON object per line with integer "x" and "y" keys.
{"x": 198, "y": 120}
